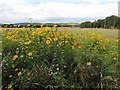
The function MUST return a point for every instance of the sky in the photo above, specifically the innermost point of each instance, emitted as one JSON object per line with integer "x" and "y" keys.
{"x": 56, "y": 11}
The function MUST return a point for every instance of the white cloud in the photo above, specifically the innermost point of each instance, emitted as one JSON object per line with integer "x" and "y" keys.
{"x": 100, "y": 1}
{"x": 19, "y": 12}
{"x": 91, "y": 1}
{"x": 113, "y": 0}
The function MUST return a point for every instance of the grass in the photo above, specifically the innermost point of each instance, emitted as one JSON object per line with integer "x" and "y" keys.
{"x": 107, "y": 33}
{"x": 49, "y": 58}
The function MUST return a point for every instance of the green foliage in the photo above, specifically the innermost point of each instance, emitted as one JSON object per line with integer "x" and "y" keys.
{"x": 108, "y": 22}
{"x": 39, "y": 59}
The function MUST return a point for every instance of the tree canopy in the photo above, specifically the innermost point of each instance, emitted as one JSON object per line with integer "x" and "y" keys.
{"x": 109, "y": 22}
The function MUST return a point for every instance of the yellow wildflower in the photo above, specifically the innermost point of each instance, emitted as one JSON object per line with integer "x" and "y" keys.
{"x": 16, "y": 69}
{"x": 17, "y": 32}
{"x": 28, "y": 25}
{"x": 55, "y": 39}
{"x": 93, "y": 33}
{"x": 23, "y": 28}
{"x": 73, "y": 47}
{"x": 9, "y": 33}
{"x": 29, "y": 78}
{"x": 60, "y": 43}
{"x": 19, "y": 73}
{"x": 49, "y": 38}
{"x": 66, "y": 41}
{"x": 107, "y": 39}
{"x": 89, "y": 63}
{"x": 114, "y": 58}
{"x": 116, "y": 40}
{"x": 13, "y": 66}
{"x": 2, "y": 34}
{"x": 48, "y": 42}
{"x": 17, "y": 48}
{"x": 22, "y": 56}
{"x": 48, "y": 28}
{"x": 16, "y": 56}
{"x": 8, "y": 37}
{"x": 42, "y": 25}
{"x": 0, "y": 41}
{"x": 30, "y": 53}
{"x": 15, "y": 25}
{"x": 5, "y": 26}
{"x": 28, "y": 73}
{"x": 33, "y": 33}
{"x": 10, "y": 86}
{"x": 10, "y": 76}
{"x": 55, "y": 25}
{"x": 28, "y": 42}
{"x": 19, "y": 25}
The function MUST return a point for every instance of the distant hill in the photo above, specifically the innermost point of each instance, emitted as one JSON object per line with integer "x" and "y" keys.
{"x": 45, "y": 24}
{"x": 21, "y": 23}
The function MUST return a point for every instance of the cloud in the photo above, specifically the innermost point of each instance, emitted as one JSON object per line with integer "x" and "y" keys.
{"x": 91, "y": 1}
{"x": 21, "y": 10}
{"x": 113, "y": 0}
{"x": 97, "y": 1}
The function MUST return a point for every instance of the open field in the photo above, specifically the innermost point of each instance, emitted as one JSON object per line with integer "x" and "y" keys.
{"x": 108, "y": 33}
{"x": 40, "y": 58}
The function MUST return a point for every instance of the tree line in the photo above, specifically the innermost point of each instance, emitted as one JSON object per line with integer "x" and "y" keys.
{"x": 109, "y": 22}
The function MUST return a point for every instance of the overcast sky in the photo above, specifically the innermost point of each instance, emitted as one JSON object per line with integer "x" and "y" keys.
{"x": 76, "y": 11}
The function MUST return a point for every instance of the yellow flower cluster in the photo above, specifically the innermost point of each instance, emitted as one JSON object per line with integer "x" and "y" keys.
{"x": 30, "y": 54}
{"x": 28, "y": 42}
{"x": 54, "y": 25}
{"x": 15, "y": 57}
{"x": 48, "y": 28}
{"x": 19, "y": 73}
{"x": 48, "y": 42}
{"x": 89, "y": 63}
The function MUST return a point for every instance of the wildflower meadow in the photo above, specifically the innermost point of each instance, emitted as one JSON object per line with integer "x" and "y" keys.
{"x": 46, "y": 57}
